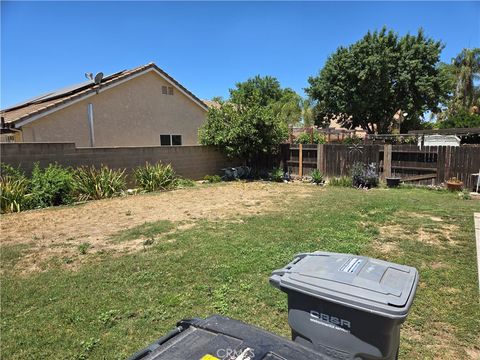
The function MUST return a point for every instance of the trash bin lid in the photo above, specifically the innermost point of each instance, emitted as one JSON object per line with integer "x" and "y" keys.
{"x": 356, "y": 281}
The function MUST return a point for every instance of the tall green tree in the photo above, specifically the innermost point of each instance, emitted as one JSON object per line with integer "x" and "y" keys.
{"x": 461, "y": 109}
{"x": 463, "y": 72}
{"x": 253, "y": 121}
{"x": 467, "y": 69}
{"x": 288, "y": 107}
{"x": 267, "y": 91}
{"x": 366, "y": 83}
{"x": 308, "y": 116}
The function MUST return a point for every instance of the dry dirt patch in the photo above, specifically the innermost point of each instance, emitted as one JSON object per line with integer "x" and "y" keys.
{"x": 58, "y": 232}
{"x": 432, "y": 231}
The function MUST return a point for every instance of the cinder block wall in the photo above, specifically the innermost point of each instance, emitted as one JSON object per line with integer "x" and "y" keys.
{"x": 192, "y": 162}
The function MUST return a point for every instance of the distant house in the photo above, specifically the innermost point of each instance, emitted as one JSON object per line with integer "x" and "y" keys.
{"x": 140, "y": 107}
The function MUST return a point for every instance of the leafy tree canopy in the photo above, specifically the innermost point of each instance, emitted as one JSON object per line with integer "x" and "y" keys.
{"x": 368, "y": 82}
{"x": 254, "y": 120}
{"x": 462, "y": 119}
{"x": 464, "y": 93}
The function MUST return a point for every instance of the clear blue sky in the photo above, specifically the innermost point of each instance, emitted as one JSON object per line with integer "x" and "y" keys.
{"x": 207, "y": 46}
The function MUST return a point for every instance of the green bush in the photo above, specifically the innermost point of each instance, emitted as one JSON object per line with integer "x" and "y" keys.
{"x": 184, "y": 183}
{"x": 155, "y": 177}
{"x": 212, "y": 178}
{"x": 306, "y": 138}
{"x": 364, "y": 176}
{"x": 352, "y": 140}
{"x": 276, "y": 175}
{"x": 92, "y": 183}
{"x": 9, "y": 170}
{"x": 14, "y": 193}
{"x": 344, "y": 181}
{"x": 51, "y": 186}
{"x": 317, "y": 176}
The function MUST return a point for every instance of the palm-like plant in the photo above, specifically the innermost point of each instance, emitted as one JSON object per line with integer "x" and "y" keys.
{"x": 307, "y": 113}
{"x": 466, "y": 67}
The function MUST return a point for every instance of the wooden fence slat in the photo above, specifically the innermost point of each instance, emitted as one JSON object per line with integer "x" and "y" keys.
{"x": 387, "y": 161}
{"x": 300, "y": 160}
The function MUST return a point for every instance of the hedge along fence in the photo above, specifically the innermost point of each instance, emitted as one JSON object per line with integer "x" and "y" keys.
{"x": 56, "y": 185}
{"x": 433, "y": 164}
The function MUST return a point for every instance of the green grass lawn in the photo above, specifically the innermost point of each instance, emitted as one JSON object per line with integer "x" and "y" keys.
{"x": 112, "y": 306}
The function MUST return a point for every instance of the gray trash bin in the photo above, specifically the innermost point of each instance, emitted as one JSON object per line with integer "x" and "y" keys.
{"x": 347, "y": 306}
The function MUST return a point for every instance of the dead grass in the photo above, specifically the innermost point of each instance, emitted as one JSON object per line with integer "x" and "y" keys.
{"x": 431, "y": 231}
{"x": 56, "y": 233}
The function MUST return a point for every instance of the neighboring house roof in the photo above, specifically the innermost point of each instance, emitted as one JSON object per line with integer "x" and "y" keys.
{"x": 211, "y": 103}
{"x": 334, "y": 124}
{"x": 40, "y": 106}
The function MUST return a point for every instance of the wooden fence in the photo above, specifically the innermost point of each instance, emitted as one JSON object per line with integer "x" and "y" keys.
{"x": 427, "y": 165}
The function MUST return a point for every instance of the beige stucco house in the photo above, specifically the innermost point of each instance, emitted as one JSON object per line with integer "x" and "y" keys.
{"x": 140, "y": 107}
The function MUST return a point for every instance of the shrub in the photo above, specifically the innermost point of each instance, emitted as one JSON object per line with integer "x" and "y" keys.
{"x": 276, "y": 175}
{"x": 14, "y": 193}
{"x": 344, "y": 181}
{"x": 364, "y": 175}
{"x": 51, "y": 186}
{"x": 212, "y": 178}
{"x": 183, "y": 183}
{"x": 352, "y": 140}
{"x": 155, "y": 177}
{"x": 306, "y": 138}
{"x": 92, "y": 183}
{"x": 371, "y": 175}
{"x": 465, "y": 194}
{"x": 9, "y": 170}
{"x": 317, "y": 177}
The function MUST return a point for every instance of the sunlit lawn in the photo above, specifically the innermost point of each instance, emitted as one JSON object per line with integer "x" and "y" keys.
{"x": 114, "y": 305}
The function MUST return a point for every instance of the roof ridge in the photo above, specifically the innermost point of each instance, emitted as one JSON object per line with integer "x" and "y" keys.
{"x": 58, "y": 97}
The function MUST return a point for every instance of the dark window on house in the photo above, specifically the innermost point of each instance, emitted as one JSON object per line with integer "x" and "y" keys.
{"x": 164, "y": 90}
{"x": 176, "y": 139}
{"x": 170, "y": 90}
{"x": 165, "y": 140}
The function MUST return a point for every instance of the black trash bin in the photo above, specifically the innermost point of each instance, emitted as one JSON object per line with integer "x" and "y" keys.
{"x": 221, "y": 338}
{"x": 347, "y": 306}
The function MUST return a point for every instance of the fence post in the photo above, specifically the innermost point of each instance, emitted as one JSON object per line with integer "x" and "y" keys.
{"x": 300, "y": 160}
{"x": 387, "y": 160}
{"x": 321, "y": 158}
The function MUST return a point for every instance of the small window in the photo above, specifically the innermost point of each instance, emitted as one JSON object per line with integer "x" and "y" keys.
{"x": 165, "y": 140}
{"x": 164, "y": 90}
{"x": 176, "y": 139}
{"x": 170, "y": 90}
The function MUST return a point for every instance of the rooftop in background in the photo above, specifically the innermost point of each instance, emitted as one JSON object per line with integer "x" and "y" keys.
{"x": 211, "y": 103}
{"x": 51, "y": 100}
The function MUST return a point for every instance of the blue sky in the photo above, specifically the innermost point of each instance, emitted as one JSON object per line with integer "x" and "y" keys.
{"x": 207, "y": 46}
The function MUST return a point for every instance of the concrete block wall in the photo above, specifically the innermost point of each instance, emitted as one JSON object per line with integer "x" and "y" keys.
{"x": 192, "y": 162}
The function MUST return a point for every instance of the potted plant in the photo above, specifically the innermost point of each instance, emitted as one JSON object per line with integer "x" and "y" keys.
{"x": 454, "y": 184}
{"x": 393, "y": 181}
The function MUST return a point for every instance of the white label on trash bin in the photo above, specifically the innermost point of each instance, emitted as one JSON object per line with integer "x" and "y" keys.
{"x": 351, "y": 265}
